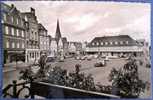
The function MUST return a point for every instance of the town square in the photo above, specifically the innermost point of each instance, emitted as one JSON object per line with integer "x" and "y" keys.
{"x": 76, "y": 53}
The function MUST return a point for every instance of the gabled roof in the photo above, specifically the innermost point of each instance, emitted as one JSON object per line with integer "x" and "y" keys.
{"x": 5, "y": 8}
{"x": 113, "y": 39}
{"x": 10, "y": 9}
{"x": 40, "y": 26}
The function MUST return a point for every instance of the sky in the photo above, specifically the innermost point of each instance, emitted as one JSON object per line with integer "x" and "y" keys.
{"x": 84, "y": 20}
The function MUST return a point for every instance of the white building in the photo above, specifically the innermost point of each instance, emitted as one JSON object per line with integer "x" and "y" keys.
{"x": 114, "y": 46}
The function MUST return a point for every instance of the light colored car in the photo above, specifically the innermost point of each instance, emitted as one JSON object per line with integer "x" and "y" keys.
{"x": 61, "y": 59}
{"x": 49, "y": 60}
{"x": 89, "y": 57}
{"x": 112, "y": 57}
{"x": 95, "y": 56}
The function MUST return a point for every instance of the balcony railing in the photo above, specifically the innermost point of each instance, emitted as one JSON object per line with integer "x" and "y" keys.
{"x": 47, "y": 90}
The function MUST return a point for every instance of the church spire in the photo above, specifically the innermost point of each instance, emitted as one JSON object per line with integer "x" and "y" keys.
{"x": 58, "y": 32}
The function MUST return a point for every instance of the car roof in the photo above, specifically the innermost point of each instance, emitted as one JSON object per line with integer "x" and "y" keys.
{"x": 50, "y": 56}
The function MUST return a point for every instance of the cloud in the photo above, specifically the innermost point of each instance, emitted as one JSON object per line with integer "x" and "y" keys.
{"x": 81, "y": 21}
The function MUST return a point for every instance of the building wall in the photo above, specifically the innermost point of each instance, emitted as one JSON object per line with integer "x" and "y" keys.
{"x": 13, "y": 30}
{"x": 53, "y": 47}
{"x": 32, "y": 38}
{"x": 115, "y": 49}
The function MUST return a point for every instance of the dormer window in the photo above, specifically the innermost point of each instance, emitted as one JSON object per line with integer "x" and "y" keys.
{"x": 97, "y": 43}
{"x": 106, "y": 43}
{"x": 111, "y": 43}
{"x": 102, "y": 43}
{"x": 93, "y": 43}
{"x": 116, "y": 42}
{"x": 121, "y": 42}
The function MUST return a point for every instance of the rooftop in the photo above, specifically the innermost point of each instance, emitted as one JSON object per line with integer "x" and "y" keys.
{"x": 108, "y": 41}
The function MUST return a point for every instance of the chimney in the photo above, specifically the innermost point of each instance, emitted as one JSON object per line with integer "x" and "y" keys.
{"x": 12, "y": 5}
{"x": 32, "y": 10}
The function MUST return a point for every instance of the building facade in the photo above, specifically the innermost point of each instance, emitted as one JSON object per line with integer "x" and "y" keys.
{"x": 44, "y": 40}
{"x": 114, "y": 46}
{"x": 13, "y": 29}
{"x": 74, "y": 48}
{"x": 32, "y": 36}
{"x": 58, "y": 45}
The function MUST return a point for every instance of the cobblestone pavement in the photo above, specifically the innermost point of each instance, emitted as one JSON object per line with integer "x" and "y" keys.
{"x": 100, "y": 74}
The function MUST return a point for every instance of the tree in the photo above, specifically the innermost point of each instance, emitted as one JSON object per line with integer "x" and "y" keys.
{"x": 127, "y": 81}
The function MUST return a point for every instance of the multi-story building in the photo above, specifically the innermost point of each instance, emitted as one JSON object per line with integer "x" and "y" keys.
{"x": 13, "y": 30}
{"x": 58, "y": 43}
{"x": 53, "y": 47}
{"x": 65, "y": 46}
{"x": 32, "y": 36}
{"x": 74, "y": 48}
{"x": 114, "y": 46}
{"x": 44, "y": 40}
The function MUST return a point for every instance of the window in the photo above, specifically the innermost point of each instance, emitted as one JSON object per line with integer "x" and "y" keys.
{"x": 22, "y": 33}
{"x": 26, "y": 19}
{"x": 17, "y": 21}
{"x": 7, "y": 44}
{"x": 13, "y": 45}
{"x": 12, "y": 31}
{"x": 93, "y": 43}
{"x": 17, "y": 32}
{"x": 12, "y": 19}
{"x": 18, "y": 45}
{"x": 102, "y": 43}
{"x": 116, "y": 42}
{"x": 106, "y": 43}
{"x": 111, "y": 43}
{"x": 23, "y": 45}
{"x": 97, "y": 43}
{"x": 121, "y": 42}
{"x": 4, "y": 17}
{"x": 6, "y": 30}
{"x": 127, "y": 42}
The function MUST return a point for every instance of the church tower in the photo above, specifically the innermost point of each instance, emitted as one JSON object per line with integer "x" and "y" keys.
{"x": 58, "y": 32}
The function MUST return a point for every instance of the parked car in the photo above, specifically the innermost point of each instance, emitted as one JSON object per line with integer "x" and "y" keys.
{"x": 95, "y": 56}
{"x": 83, "y": 57}
{"x": 112, "y": 57}
{"x": 50, "y": 59}
{"x": 89, "y": 57}
{"x": 100, "y": 64}
{"x": 61, "y": 59}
